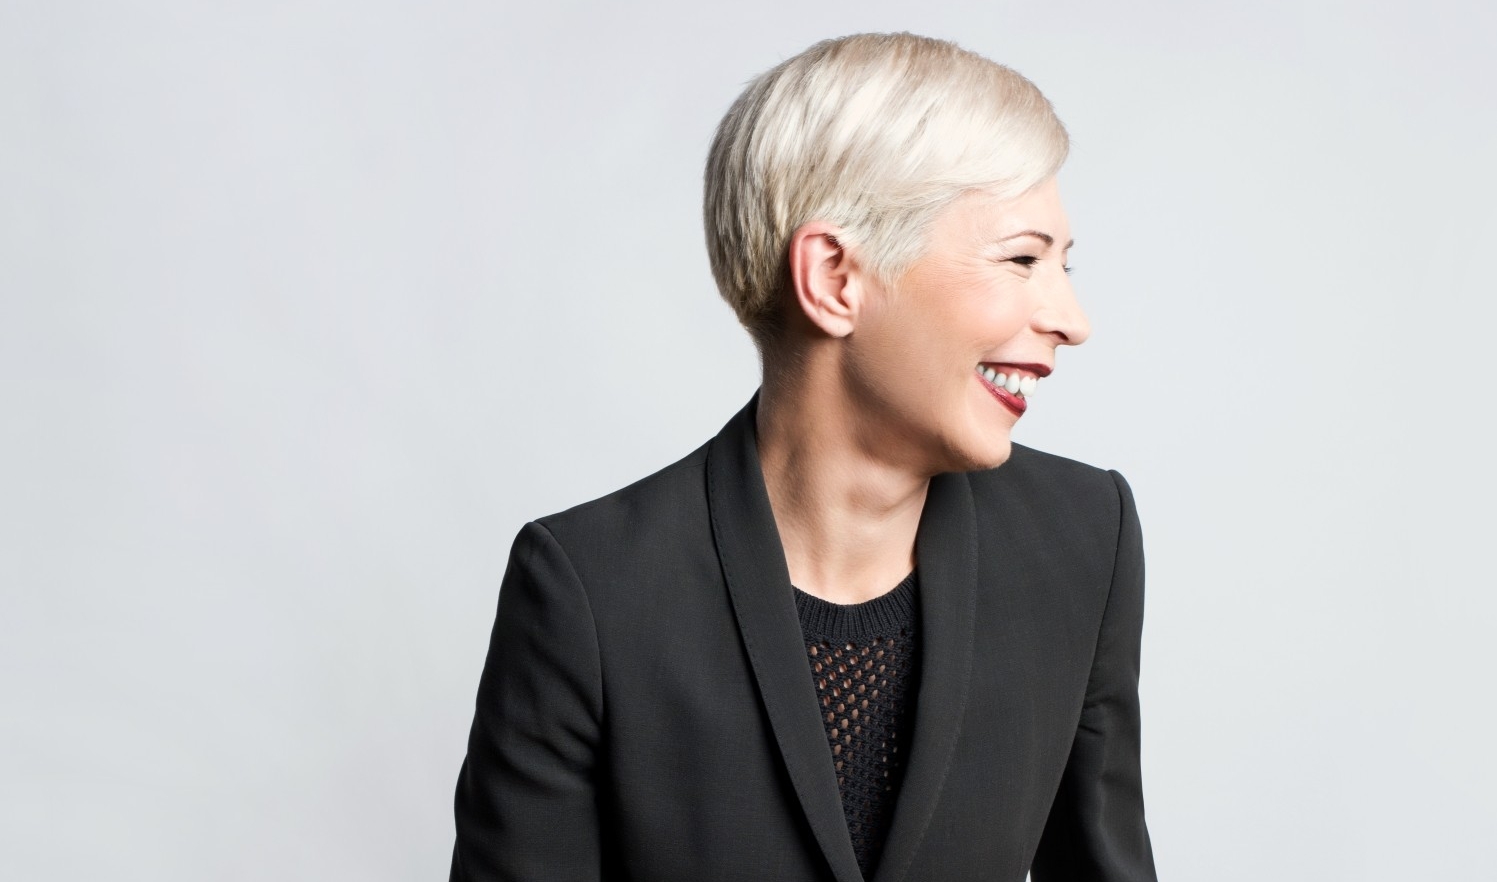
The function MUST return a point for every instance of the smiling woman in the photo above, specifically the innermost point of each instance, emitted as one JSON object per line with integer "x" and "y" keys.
{"x": 859, "y": 634}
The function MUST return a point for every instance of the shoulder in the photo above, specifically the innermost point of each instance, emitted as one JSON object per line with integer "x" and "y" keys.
{"x": 643, "y": 552}
{"x": 1053, "y": 492}
{"x": 668, "y": 502}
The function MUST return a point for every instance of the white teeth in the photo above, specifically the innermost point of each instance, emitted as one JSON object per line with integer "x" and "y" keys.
{"x": 1015, "y": 384}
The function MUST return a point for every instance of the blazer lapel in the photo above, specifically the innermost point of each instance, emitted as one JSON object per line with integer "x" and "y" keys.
{"x": 946, "y": 556}
{"x": 753, "y": 563}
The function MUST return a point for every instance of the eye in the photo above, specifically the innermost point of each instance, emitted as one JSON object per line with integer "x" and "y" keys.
{"x": 1029, "y": 260}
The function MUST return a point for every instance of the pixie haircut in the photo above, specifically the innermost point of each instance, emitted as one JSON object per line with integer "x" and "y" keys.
{"x": 875, "y": 133}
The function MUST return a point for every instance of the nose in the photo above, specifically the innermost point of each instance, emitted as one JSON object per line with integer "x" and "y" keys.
{"x": 1060, "y": 315}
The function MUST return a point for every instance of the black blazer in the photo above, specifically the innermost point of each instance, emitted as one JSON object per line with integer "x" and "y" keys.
{"x": 647, "y": 712}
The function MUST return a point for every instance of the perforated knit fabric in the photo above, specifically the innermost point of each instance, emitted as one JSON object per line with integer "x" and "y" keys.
{"x": 863, "y": 659}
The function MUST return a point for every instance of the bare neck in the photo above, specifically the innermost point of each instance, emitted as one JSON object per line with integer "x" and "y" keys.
{"x": 847, "y": 518}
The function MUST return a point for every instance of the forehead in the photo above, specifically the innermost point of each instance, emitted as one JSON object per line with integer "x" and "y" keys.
{"x": 986, "y": 215}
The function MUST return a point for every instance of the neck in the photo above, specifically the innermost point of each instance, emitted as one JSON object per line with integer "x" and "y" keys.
{"x": 847, "y": 517}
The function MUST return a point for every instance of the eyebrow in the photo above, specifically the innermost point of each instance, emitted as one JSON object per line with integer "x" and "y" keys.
{"x": 1044, "y": 237}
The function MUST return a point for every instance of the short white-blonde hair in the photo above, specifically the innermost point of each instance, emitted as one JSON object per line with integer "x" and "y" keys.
{"x": 875, "y": 133}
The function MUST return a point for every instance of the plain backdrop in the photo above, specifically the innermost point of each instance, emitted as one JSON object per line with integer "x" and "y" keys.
{"x": 308, "y": 306}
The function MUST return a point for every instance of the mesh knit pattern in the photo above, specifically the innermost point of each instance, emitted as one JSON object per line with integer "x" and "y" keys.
{"x": 863, "y": 658}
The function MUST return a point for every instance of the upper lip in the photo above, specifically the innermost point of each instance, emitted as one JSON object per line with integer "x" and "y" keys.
{"x": 1039, "y": 370}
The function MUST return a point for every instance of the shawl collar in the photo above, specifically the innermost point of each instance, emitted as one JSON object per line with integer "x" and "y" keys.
{"x": 758, "y": 581}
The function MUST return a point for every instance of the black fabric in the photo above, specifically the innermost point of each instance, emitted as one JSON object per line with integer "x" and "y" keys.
{"x": 863, "y": 660}
{"x": 644, "y": 712}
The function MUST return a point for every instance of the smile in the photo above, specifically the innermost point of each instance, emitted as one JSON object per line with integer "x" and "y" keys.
{"x": 1011, "y": 387}
{"x": 1016, "y": 383}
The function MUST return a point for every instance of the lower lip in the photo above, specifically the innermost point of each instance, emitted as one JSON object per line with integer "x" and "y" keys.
{"x": 1005, "y": 397}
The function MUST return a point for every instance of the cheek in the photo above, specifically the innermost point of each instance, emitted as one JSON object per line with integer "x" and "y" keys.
{"x": 921, "y": 347}
{"x": 907, "y": 366}
{"x": 999, "y": 319}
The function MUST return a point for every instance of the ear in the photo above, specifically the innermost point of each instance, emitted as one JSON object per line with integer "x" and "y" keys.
{"x": 825, "y": 278}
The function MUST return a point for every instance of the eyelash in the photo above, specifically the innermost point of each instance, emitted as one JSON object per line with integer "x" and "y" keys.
{"x": 1031, "y": 260}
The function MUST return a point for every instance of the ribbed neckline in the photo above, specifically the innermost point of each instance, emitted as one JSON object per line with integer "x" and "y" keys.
{"x": 883, "y": 615}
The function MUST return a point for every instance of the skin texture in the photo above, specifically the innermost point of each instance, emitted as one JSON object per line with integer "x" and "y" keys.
{"x": 875, "y": 389}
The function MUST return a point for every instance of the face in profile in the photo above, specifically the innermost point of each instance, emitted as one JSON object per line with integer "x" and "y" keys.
{"x": 947, "y": 359}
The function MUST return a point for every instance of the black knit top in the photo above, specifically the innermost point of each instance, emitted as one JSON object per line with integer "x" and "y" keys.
{"x": 863, "y": 663}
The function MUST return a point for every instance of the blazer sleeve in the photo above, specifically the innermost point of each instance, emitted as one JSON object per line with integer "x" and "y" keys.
{"x": 1096, "y": 830}
{"x": 526, "y": 805}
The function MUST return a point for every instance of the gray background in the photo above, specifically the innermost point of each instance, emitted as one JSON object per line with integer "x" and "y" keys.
{"x": 308, "y": 306}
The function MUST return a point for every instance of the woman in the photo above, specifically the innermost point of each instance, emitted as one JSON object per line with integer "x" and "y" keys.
{"x": 858, "y": 634}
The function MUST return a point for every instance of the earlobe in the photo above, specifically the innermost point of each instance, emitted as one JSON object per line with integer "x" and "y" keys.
{"x": 823, "y": 276}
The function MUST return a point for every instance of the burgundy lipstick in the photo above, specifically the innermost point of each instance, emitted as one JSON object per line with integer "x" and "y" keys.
{"x": 1007, "y": 398}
